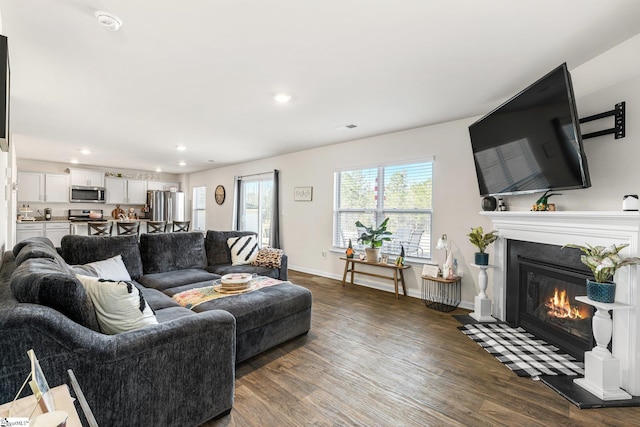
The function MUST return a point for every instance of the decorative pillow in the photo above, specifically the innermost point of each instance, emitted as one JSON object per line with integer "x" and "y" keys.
{"x": 120, "y": 307}
{"x": 110, "y": 269}
{"x": 269, "y": 257}
{"x": 244, "y": 249}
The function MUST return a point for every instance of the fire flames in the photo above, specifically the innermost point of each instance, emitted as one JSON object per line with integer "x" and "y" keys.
{"x": 560, "y": 307}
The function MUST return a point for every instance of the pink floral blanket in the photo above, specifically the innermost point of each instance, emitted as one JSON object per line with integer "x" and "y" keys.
{"x": 193, "y": 297}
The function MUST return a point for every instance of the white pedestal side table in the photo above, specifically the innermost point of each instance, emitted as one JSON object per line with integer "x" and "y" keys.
{"x": 481, "y": 302}
{"x": 601, "y": 369}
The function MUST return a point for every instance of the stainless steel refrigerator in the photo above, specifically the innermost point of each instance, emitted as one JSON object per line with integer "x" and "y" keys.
{"x": 166, "y": 205}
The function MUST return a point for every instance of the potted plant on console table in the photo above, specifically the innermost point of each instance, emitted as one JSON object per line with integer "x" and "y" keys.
{"x": 603, "y": 262}
{"x": 374, "y": 237}
{"x": 482, "y": 241}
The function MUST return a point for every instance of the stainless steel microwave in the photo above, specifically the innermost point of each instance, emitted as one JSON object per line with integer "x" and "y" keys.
{"x": 79, "y": 194}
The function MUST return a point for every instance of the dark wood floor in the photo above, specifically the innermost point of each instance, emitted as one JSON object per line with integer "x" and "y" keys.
{"x": 372, "y": 360}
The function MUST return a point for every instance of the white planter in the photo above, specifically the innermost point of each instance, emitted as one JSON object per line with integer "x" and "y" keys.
{"x": 373, "y": 254}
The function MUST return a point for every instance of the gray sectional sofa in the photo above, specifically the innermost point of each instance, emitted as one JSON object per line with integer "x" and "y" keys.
{"x": 179, "y": 372}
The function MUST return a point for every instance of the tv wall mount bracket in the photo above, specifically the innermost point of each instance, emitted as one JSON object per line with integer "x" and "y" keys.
{"x": 617, "y": 130}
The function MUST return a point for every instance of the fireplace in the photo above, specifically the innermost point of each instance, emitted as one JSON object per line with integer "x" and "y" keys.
{"x": 542, "y": 283}
{"x": 580, "y": 227}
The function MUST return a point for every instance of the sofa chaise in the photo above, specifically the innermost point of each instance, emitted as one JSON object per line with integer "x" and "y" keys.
{"x": 179, "y": 371}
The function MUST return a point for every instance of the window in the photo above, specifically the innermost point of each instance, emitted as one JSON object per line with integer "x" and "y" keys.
{"x": 199, "y": 208}
{"x": 256, "y": 199}
{"x": 401, "y": 193}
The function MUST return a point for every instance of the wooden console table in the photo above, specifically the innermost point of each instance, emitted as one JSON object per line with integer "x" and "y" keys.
{"x": 398, "y": 272}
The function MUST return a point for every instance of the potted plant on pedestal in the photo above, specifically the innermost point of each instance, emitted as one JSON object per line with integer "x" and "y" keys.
{"x": 374, "y": 238}
{"x": 603, "y": 262}
{"x": 482, "y": 241}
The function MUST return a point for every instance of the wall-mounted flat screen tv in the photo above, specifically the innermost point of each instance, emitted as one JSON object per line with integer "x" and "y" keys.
{"x": 532, "y": 142}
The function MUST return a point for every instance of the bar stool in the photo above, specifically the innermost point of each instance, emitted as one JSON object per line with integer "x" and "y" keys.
{"x": 156, "y": 226}
{"x": 102, "y": 228}
{"x": 181, "y": 226}
{"x": 126, "y": 228}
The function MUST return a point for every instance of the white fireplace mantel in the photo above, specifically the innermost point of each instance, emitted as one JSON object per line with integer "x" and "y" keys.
{"x": 580, "y": 227}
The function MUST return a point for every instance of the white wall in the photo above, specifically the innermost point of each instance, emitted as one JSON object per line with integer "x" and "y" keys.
{"x": 307, "y": 226}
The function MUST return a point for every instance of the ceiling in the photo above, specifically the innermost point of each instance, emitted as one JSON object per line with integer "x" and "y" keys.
{"x": 203, "y": 73}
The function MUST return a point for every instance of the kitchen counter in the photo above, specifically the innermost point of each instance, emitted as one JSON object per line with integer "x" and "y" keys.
{"x": 64, "y": 219}
{"x": 41, "y": 219}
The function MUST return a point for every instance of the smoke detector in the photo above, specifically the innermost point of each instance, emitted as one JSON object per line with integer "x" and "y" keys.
{"x": 109, "y": 20}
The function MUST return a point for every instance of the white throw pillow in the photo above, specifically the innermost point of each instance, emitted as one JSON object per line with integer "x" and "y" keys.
{"x": 119, "y": 305}
{"x": 244, "y": 249}
{"x": 111, "y": 269}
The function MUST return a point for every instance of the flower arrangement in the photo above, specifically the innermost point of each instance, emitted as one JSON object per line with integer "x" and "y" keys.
{"x": 604, "y": 261}
{"x": 374, "y": 236}
{"x": 481, "y": 240}
{"x": 542, "y": 204}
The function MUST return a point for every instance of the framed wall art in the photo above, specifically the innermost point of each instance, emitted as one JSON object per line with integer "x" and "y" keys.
{"x": 302, "y": 194}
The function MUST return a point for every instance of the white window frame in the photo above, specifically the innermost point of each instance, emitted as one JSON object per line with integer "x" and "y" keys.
{"x": 199, "y": 206}
{"x": 421, "y": 251}
{"x": 262, "y": 231}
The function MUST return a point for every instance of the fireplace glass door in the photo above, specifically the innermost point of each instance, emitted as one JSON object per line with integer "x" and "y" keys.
{"x": 548, "y": 307}
{"x": 542, "y": 283}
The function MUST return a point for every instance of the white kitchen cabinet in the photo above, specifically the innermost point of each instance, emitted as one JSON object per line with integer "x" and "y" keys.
{"x": 136, "y": 192}
{"x": 55, "y": 231}
{"x": 87, "y": 178}
{"x": 30, "y": 187}
{"x": 126, "y": 191}
{"x": 163, "y": 186}
{"x": 43, "y": 187}
{"x": 116, "y": 190}
{"x": 26, "y": 230}
{"x": 56, "y": 186}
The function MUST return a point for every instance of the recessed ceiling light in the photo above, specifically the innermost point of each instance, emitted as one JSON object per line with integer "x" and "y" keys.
{"x": 109, "y": 20}
{"x": 346, "y": 127}
{"x": 212, "y": 161}
{"x": 85, "y": 151}
{"x": 74, "y": 161}
{"x": 182, "y": 164}
{"x": 158, "y": 170}
{"x": 180, "y": 147}
{"x": 282, "y": 98}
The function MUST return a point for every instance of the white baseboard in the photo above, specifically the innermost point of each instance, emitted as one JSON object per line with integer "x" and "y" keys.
{"x": 382, "y": 287}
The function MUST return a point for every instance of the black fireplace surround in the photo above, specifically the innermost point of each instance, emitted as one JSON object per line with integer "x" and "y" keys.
{"x": 534, "y": 271}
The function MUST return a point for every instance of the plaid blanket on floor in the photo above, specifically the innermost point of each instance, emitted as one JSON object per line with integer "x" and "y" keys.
{"x": 522, "y": 352}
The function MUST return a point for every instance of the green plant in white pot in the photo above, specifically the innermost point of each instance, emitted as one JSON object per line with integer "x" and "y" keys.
{"x": 482, "y": 240}
{"x": 374, "y": 237}
{"x": 603, "y": 262}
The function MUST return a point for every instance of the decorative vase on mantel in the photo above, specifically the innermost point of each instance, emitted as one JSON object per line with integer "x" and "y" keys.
{"x": 601, "y": 292}
{"x": 481, "y": 258}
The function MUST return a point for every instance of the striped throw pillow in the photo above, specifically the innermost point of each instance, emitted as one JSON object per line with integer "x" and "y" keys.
{"x": 244, "y": 249}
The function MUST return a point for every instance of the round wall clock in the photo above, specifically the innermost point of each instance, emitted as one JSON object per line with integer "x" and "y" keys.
{"x": 220, "y": 194}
